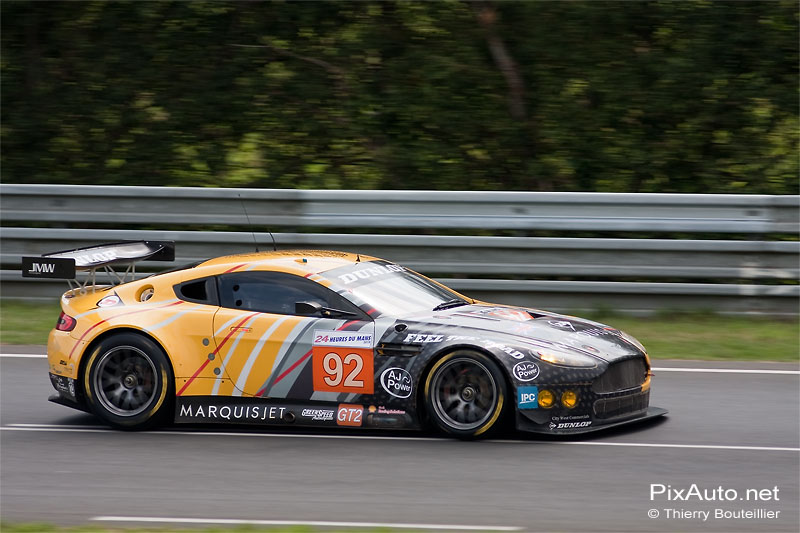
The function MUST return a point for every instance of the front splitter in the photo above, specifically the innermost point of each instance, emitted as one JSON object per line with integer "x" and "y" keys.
{"x": 651, "y": 413}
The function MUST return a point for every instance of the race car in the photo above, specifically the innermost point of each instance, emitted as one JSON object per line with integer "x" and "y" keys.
{"x": 326, "y": 339}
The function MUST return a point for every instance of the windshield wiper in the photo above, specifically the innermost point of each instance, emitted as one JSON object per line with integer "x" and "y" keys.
{"x": 450, "y": 303}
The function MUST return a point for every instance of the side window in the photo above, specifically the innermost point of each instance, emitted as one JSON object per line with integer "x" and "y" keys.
{"x": 275, "y": 292}
{"x": 201, "y": 291}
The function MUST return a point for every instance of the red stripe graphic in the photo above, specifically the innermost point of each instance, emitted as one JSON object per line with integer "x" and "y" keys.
{"x": 299, "y": 361}
{"x": 286, "y": 372}
{"x": 234, "y": 268}
{"x": 197, "y": 373}
{"x": 234, "y": 329}
{"x": 113, "y": 317}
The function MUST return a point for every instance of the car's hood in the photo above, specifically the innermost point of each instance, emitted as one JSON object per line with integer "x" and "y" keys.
{"x": 530, "y": 327}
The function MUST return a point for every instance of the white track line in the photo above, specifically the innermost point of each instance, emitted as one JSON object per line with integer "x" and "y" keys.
{"x": 726, "y": 370}
{"x": 92, "y": 429}
{"x": 236, "y": 521}
{"x": 655, "y": 369}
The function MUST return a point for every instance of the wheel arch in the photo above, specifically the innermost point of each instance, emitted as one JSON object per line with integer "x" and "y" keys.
{"x": 419, "y": 398}
{"x": 110, "y": 332}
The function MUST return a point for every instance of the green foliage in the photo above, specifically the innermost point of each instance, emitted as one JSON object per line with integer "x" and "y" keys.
{"x": 620, "y": 96}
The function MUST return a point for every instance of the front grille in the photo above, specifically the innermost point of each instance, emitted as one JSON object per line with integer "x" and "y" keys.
{"x": 622, "y": 405}
{"x": 395, "y": 349}
{"x": 621, "y": 375}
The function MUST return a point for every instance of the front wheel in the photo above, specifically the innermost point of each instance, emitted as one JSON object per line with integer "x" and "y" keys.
{"x": 127, "y": 382}
{"x": 465, "y": 394}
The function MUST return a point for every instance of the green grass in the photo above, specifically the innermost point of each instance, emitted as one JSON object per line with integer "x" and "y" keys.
{"x": 666, "y": 336}
{"x": 27, "y": 323}
{"x": 712, "y": 337}
{"x": 34, "y": 527}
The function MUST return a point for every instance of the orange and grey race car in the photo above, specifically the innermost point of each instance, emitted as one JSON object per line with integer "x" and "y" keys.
{"x": 318, "y": 338}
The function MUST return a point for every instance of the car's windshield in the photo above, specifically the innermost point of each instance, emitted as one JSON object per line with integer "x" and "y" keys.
{"x": 390, "y": 289}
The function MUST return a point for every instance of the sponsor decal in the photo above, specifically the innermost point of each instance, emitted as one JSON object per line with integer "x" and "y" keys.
{"x": 461, "y": 338}
{"x": 381, "y": 410}
{"x": 96, "y": 257}
{"x": 384, "y": 411}
{"x": 346, "y": 339}
{"x": 422, "y": 338}
{"x": 501, "y": 313}
{"x": 526, "y": 371}
{"x": 48, "y": 267}
{"x": 318, "y": 415}
{"x": 196, "y": 411}
{"x": 570, "y": 425}
{"x": 517, "y": 315}
{"x": 516, "y": 354}
{"x": 397, "y": 382}
{"x": 340, "y": 369}
{"x": 569, "y": 417}
{"x": 64, "y": 385}
{"x": 349, "y": 415}
{"x": 42, "y": 268}
{"x": 562, "y": 324}
{"x": 527, "y": 397}
{"x": 369, "y": 272}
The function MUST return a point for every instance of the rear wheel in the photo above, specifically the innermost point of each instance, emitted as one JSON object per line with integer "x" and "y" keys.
{"x": 465, "y": 394}
{"x": 128, "y": 382}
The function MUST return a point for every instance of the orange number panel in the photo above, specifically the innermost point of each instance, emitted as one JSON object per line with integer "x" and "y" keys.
{"x": 342, "y": 369}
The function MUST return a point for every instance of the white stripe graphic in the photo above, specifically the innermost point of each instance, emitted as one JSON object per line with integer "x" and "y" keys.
{"x": 171, "y": 319}
{"x": 296, "y": 335}
{"x": 217, "y": 333}
{"x": 231, "y": 350}
{"x": 237, "y": 521}
{"x": 188, "y": 433}
{"x": 228, "y": 323}
{"x": 251, "y": 359}
{"x": 727, "y": 370}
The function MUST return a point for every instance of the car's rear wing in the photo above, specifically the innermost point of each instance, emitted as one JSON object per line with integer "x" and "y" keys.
{"x": 67, "y": 263}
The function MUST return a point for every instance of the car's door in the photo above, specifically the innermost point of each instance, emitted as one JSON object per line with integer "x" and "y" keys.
{"x": 268, "y": 349}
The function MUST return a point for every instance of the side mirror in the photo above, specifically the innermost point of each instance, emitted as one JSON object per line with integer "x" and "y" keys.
{"x": 307, "y": 309}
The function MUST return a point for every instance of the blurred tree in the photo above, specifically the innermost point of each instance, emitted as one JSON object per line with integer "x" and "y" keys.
{"x": 613, "y": 96}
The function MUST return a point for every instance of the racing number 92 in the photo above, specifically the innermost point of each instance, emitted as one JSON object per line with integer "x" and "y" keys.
{"x": 338, "y": 369}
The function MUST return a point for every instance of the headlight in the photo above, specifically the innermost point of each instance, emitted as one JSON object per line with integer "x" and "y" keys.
{"x": 546, "y": 399}
{"x": 569, "y": 399}
{"x": 558, "y": 357}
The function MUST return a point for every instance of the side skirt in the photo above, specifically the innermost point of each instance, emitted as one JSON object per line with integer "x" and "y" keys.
{"x": 276, "y": 411}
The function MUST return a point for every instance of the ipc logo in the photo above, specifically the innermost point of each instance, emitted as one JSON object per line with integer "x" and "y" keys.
{"x": 527, "y": 397}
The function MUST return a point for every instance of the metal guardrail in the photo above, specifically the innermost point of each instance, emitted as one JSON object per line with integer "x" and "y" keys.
{"x": 633, "y": 271}
{"x": 402, "y": 209}
{"x": 484, "y": 256}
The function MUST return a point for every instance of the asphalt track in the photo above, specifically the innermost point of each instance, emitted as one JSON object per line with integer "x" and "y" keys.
{"x": 735, "y": 430}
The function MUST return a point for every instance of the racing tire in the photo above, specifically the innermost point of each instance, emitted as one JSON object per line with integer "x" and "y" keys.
{"x": 128, "y": 382}
{"x": 465, "y": 394}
